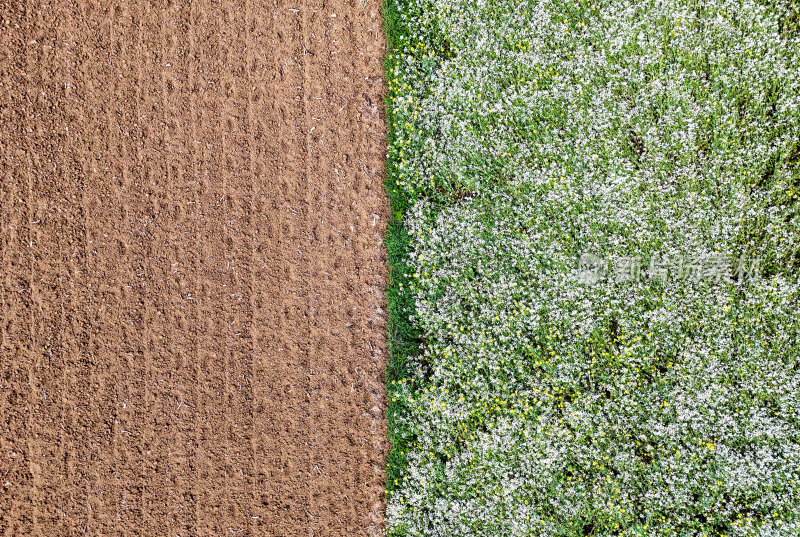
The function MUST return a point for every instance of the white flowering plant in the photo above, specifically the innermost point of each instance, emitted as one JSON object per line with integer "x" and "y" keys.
{"x": 529, "y": 400}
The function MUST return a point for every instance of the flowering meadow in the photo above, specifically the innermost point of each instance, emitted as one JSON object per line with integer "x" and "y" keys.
{"x": 660, "y": 396}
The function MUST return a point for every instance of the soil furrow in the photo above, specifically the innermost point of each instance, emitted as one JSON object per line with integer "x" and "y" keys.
{"x": 19, "y": 498}
{"x": 252, "y": 371}
{"x": 214, "y": 464}
{"x": 188, "y": 96}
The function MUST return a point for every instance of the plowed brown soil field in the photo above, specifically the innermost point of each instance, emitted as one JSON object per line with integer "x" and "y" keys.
{"x": 191, "y": 268}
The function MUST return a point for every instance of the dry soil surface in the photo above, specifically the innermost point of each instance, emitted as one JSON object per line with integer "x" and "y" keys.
{"x": 191, "y": 268}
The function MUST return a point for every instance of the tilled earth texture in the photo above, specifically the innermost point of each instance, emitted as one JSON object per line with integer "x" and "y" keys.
{"x": 191, "y": 268}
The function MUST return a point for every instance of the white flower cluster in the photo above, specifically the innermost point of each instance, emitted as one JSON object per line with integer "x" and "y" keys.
{"x": 527, "y": 133}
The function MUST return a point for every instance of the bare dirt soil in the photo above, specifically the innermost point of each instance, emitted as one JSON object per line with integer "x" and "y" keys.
{"x": 191, "y": 268}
